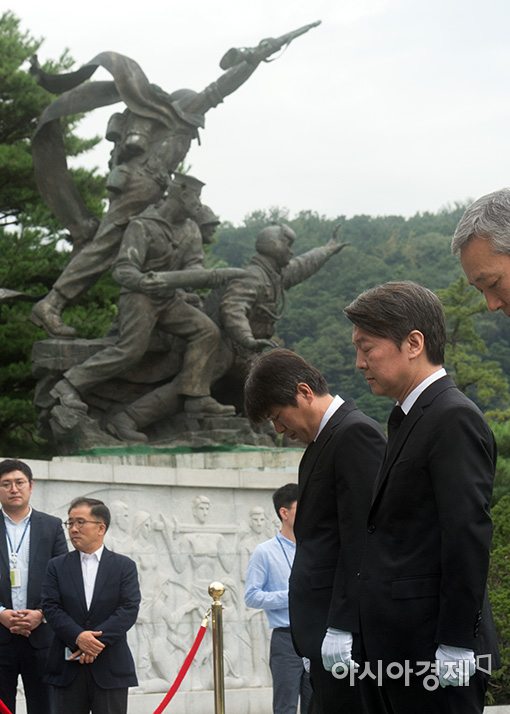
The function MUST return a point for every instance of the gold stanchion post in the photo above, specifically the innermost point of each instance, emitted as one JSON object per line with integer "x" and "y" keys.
{"x": 216, "y": 591}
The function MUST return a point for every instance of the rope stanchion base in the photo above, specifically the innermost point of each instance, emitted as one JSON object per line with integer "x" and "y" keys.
{"x": 183, "y": 670}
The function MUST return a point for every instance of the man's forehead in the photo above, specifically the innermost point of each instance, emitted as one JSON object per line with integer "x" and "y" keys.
{"x": 359, "y": 335}
{"x": 16, "y": 473}
{"x": 273, "y": 411}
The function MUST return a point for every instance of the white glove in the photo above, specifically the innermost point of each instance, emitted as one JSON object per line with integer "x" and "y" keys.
{"x": 337, "y": 649}
{"x": 306, "y": 664}
{"x": 455, "y": 665}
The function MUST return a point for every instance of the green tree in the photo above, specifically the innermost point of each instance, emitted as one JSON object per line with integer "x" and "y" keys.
{"x": 466, "y": 352}
{"x": 499, "y": 591}
{"x": 33, "y": 245}
{"x": 501, "y": 430}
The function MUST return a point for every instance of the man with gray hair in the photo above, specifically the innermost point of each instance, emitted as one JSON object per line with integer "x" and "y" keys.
{"x": 482, "y": 240}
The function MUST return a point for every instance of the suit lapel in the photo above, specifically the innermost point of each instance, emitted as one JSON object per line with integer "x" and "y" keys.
{"x": 4, "y": 555}
{"x": 35, "y": 539}
{"x": 5, "y": 597}
{"x": 415, "y": 414}
{"x": 394, "y": 448}
{"x": 101, "y": 577}
{"x": 77, "y": 578}
{"x": 312, "y": 453}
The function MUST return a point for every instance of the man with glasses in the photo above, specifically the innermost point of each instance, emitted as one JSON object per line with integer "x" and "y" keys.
{"x": 91, "y": 599}
{"x": 28, "y": 540}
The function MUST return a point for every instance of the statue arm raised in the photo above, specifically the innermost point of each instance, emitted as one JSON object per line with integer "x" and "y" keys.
{"x": 304, "y": 266}
{"x": 240, "y": 65}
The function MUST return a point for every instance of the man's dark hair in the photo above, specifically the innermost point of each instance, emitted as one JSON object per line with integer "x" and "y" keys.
{"x": 97, "y": 508}
{"x": 395, "y": 309}
{"x": 7, "y": 466}
{"x": 273, "y": 381}
{"x": 285, "y": 497}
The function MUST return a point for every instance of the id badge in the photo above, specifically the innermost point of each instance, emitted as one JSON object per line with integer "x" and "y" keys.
{"x": 15, "y": 576}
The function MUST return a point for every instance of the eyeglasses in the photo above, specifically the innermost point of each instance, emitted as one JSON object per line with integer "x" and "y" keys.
{"x": 78, "y": 522}
{"x": 20, "y": 483}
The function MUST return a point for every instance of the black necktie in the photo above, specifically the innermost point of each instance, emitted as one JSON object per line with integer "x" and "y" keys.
{"x": 395, "y": 420}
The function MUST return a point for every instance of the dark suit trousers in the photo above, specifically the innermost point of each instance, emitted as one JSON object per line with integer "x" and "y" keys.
{"x": 83, "y": 696}
{"x": 18, "y": 657}
{"x": 414, "y": 698}
{"x": 331, "y": 695}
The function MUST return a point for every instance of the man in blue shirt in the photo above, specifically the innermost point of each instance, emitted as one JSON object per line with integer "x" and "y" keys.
{"x": 267, "y": 587}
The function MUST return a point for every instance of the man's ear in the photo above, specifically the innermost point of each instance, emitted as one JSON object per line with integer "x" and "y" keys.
{"x": 415, "y": 343}
{"x": 304, "y": 391}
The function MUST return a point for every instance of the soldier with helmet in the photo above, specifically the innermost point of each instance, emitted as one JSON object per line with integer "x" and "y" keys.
{"x": 151, "y": 139}
{"x": 251, "y": 306}
{"x": 161, "y": 251}
{"x": 246, "y": 313}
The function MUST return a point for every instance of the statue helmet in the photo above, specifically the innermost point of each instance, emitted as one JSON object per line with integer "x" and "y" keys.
{"x": 181, "y": 101}
{"x": 186, "y": 181}
{"x": 207, "y": 217}
{"x": 271, "y": 235}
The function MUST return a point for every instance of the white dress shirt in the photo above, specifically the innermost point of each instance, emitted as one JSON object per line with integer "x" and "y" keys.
{"x": 413, "y": 396}
{"x": 335, "y": 404}
{"x": 18, "y": 549}
{"x": 89, "y": 566}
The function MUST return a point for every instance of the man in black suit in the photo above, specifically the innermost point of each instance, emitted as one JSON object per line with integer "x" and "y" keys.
{"x": 28, "y": 539}
{"x": 91, "y": 599}
{"x": 336, "y": 476}
{"x": 423, "y": 600}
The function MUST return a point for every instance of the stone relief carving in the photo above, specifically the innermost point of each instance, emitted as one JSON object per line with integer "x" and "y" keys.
{"x": 179, "y": 550}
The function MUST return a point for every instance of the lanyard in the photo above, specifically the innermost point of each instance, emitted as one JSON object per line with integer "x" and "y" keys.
{"x": 14, "y": 553}
{"x": 284, "y": 553}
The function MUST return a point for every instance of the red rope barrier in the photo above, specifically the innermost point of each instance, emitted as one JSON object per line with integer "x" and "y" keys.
{"x": 4, "y": 709}
{"x": 182, "y": 672}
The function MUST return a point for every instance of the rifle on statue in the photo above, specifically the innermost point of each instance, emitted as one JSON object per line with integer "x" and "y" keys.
{"x": 263, "y": 50}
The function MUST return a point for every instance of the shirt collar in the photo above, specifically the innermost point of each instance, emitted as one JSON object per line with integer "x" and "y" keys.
{"x": 17, "y": 523}
{"x": 280, "y": 536}
{"x": 88, "y": 556}
{"x": 413, "y": 396}
{"x": 335, "y": 404}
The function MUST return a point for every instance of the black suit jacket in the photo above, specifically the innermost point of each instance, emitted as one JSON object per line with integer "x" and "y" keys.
{"x": 47, "y": 540}
{"x": 336, "y": 477}
{"x": 429, "y": 533}
{"x": 113, "y": 609}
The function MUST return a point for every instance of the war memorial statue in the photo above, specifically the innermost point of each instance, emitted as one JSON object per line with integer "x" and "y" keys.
{"x": 171, "y": 369}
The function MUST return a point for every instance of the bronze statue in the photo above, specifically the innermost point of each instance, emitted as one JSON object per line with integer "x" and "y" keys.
{"x": 246, "y": 312}
{"x": 250, "y": 307}
{"x": 162, "y": 370}
{"x": 151, "y": 138}
{"x": 161, "y": 252}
